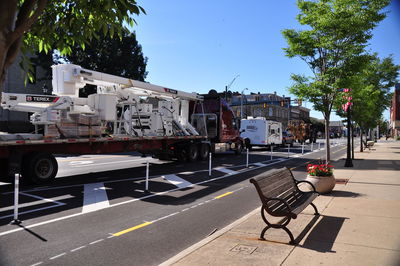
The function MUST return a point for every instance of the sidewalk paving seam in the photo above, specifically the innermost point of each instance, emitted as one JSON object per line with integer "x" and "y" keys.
{"x": 349, "y": 244}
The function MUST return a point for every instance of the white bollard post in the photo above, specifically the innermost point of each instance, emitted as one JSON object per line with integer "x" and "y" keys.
{"x": 247, "y": 158}
{"x": 272, "y": 150}
{"x": 147, "y": 175}
{"x": 319, "y": 145}
{"x": 302, "y": 149}
{"x": 16, "y": 195}
{"x": 288, "y": 150}
{"x": 209, "y": 165}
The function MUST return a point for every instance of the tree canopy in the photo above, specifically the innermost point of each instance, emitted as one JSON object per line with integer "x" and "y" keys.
{"x": 332, "y": 43}
{"x": 122, "y": 57}
{"x": 371, "y": 91}
{"x": 36, "y": 25}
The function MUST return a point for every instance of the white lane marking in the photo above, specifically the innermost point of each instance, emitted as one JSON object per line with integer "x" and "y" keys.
{"x": 77, "y": 163}
{"x": 187, "y": 173}
{"x": 56, "y": 204}
{"x": 259, "y": 164}
{"x": 76, "y": 249}
{"x": 55, "y": 257}
{"x": 95, "y": 197}
{"x": 97, "y": 241}
{"x": 165, "y": 217}
{"x": 125, "y": 202}
{"x": 38, "y": 263}
{"x": 226, "y": 171}
{"x": 177, "y": 181}
{"x": 23, "y": 205}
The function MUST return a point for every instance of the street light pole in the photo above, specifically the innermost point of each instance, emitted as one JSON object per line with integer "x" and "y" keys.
{"x": 229, "y": 86}
{"x": 348, "y": 162}
{"x": 241, "y": 104}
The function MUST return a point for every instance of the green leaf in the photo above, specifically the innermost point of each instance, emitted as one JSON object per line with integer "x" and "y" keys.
{"x": 40, "y": 46}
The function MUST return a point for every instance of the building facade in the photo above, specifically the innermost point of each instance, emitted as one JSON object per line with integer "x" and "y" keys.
{"x": 269, "y": 105}
{"x": 394, "y": 123}
{"x": 11, "y": 121}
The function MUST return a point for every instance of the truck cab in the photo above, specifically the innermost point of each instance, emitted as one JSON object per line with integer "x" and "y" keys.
{"x": 215, "y": 118}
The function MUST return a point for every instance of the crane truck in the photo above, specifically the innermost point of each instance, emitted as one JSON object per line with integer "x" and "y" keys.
{"x": 124, "y": 115}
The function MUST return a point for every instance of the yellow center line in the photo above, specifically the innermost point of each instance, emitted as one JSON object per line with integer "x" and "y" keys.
{"x": 223, "y": 195}
{"x": 132, "y": 228}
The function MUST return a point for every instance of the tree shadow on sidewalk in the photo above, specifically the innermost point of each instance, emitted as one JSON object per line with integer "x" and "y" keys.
{"x": 323, "y": 236}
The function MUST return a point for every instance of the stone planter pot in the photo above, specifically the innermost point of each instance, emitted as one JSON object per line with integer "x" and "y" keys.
{"x": 323, "y": 184}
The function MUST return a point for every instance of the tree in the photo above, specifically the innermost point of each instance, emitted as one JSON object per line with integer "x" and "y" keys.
{"x": 37, "y": 25}
{"x": 333, "y": 46}
{"x": 122, "y": 57}
{"x": 371, "y": 92}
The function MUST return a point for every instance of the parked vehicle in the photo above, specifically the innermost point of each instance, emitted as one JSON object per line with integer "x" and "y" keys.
{"x": 303, "y": 131}
{"x": 260, "y": 132}
{"x": 287, "y": 138}
{"x": 124, "y": 115}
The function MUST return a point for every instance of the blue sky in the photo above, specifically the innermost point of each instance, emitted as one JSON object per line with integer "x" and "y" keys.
{"x": 196, "y": 46}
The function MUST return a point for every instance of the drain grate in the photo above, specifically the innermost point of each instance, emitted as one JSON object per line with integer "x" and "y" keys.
{"x": 342, "y": 181}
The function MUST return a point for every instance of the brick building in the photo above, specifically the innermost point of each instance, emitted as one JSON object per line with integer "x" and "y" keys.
{"x": 269, "y": 105}
{"x": 394, "y": 123}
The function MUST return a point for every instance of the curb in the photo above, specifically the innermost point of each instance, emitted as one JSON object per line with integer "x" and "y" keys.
{"x": 208, "y": 239}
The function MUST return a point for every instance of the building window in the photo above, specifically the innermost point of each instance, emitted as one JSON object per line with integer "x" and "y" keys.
{"x": 270, "y": 112}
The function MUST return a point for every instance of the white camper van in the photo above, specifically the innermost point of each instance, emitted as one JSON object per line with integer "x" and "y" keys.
{"x": 260, "y": 132}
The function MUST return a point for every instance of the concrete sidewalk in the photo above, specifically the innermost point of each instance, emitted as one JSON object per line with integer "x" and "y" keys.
{"x": 359, "y": 223}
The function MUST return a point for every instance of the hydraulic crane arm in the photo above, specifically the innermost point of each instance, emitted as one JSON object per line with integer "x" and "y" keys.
{"x": 68, "y": 78}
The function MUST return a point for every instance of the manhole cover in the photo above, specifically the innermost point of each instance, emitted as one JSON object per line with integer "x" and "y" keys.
{"x": 243, "y": 249}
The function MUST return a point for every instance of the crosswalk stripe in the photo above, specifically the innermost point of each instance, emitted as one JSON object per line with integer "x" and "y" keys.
{"x": 94, "y": 197}
{"x": 226, "y": 171}
{"x": 177, "y": 181}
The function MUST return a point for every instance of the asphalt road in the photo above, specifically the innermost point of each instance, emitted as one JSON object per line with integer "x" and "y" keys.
{"x": 97, "y": 212}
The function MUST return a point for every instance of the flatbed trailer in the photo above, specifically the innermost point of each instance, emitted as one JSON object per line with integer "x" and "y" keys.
{"x": 35, "y": 161}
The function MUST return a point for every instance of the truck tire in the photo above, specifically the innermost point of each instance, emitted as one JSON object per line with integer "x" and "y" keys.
{"x": 239, "y": 148}
{"x": 182, "y": 156}
{"x": 39, "y": 168}
{"x": 204, "y": 151}
{"x": 193, "y": 153}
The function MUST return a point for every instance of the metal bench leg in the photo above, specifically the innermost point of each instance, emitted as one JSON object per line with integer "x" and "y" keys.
{"x": 292, "y": 242}
{"x": 281, "y": 225}
{"x": 315, "y": 209}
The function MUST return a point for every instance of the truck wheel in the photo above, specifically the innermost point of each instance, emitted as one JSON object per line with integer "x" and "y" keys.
{"x": 182, "y": 155}
{"x": 193, "y": 152}
{"x": 239, "y": 148}
{"x": 204, "y": 151}
{"x": 40, "y": 168}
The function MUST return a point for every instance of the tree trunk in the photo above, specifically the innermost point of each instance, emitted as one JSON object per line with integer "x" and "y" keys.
{"x": 327, "y": 145}
{"x": 361, "y": 140}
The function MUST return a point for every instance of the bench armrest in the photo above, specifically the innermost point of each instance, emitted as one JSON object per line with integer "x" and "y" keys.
{"x": 308, "y": 182}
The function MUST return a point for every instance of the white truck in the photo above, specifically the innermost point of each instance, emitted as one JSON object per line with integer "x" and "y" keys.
{"x": 260, "y": 132}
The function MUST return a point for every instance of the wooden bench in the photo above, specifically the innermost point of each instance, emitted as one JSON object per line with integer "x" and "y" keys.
{"x": 281, "y": 197}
